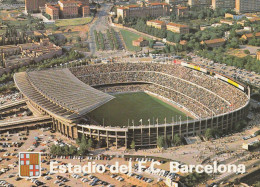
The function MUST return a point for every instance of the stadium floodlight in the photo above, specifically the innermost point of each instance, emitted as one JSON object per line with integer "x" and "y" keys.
{"x": 141, "y": 121}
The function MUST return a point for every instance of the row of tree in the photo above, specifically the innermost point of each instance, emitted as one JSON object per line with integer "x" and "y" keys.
{"x": 169, "y": 141}
{"x": 193, "y": 179}
{"x": 114, "y": 38}
{"x": 110, "y": 40}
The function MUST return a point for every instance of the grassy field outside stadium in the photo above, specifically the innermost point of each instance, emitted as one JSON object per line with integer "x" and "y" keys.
{"x": 72, "y": 22}
{"x": 129, "y": 37}
{"x": 135, "y": 106}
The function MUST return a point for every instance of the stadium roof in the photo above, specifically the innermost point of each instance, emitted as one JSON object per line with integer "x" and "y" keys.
{"x": 60, "y": 92}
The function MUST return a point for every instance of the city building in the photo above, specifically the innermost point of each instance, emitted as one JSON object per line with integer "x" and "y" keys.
{"x": 149, "y": 10}
{"x": 214, "y": 43}
{"x": 140, "y": 42}
{"x": 182, "y": 11}
{"x": 250, "y": 36}
{"x": 258, "y": 55}
{"x": 45, "y": 50}
{"x": 9, "y": 50}
{"x": 226, "y": 4}
{"x": 156, "y": 24}
{"x": 153, "y": 1}
{"x": 235, "y": 17}
{"x": 227, "y": 21}
{"x": 68, "y": 9}
{"x": 199, "y": 3}
{"x": 178, "y": 28}
{"x": 22, "y": 54}
{"x": 32, "y": 6}
{"x": 52, "y": 10}
{"x": 183, "y": 42}
{"x": 244, "y": 6}
{"x": 251, "y": 145}
{"x": 176, "y": 2}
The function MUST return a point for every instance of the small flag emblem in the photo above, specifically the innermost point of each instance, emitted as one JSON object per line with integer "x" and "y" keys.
{"x": 29, "y": 165}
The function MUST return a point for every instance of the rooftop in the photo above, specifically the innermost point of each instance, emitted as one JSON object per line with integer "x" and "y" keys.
{"x": 157, "y": 21}
{"x": 154, "y": 4}
{"x": 250, "y": 35}
{"x": 177, "y": 25}
{"x": 51, "y": 7}
{"x": 182, "y": 8}
{"x": 62, "y": 89}
{"x": 217, "y": 40}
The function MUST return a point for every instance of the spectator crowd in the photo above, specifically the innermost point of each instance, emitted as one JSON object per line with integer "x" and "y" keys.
{"x": 200, "y": 93}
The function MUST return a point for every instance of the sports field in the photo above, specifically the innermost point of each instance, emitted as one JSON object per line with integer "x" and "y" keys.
{"x": 135, "y": 106}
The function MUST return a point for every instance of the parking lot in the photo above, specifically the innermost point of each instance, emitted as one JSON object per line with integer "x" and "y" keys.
{"x": 13, "y": 143}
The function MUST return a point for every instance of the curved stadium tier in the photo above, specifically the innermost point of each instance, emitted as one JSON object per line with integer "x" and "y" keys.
{"x": 73, "y": 98}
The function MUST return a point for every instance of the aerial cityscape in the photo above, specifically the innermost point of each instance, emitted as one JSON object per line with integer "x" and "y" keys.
{"x": 130, "y": 93}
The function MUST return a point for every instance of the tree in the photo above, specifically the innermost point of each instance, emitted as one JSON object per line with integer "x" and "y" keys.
{"x": 177, "y": 140}
{"x": 66, "y": 150}
{"x": 151, "y": 43}
{"x": 209, "y": 134}
{"x": 90, "y": 143}
{"x": 83, "y": 147}
{"x": 240, "y": 125}
{"x": 83, "y": 139}
{"x": 132, "y": 145}
{"x": 55, "y": 28}
{"x": 53, "y": 149}
{"x": 78, "y": 39}
{"x": 120, "y": 20}
{"x": 236, "y": 181}
{"x": 72, "y": 150}
{"x": 78, "y": 141}
{"x": 160, "y": 142}
{"x": 247, "y": 51}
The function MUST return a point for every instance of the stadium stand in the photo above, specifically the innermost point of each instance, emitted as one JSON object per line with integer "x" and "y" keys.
{"x": 68, "y": 95}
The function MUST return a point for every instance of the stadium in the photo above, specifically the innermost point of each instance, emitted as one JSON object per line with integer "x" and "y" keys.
{"x": 121, "y": 102}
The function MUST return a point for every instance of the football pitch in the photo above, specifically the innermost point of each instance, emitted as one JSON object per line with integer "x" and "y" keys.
{"x": 129, "y": 107}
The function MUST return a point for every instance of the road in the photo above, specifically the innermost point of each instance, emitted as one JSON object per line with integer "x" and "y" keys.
{"x": 227, "y": 176}
{"x": 100, "y": 24}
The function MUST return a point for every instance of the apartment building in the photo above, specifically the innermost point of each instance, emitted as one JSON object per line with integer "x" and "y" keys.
{"x": 226, "y": 4}
{"x": 176, "y": 2}
{"x": 199, "y": 3}
{"x": 258, "y": 55}
{"x": 152, "y": 9}
{"x": 218, "y": 42}
{"x": 251, "y": 36}
{"x": 140, "y": 42}
{"x": 68, "y": 9}
{"x": 182, "y": 11}
{"x": 178, "y": 28}
{"x": 32, "y": 6}
{"x": 156, "y": 24}
{"x": 52, "y": 10}
{"x": 245, "y": 6}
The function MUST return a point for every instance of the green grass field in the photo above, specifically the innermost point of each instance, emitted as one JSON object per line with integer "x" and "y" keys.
{"x": 129, "y": 37}
{"x": 135, "y": 106}
{"x": 72, "y": 22}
